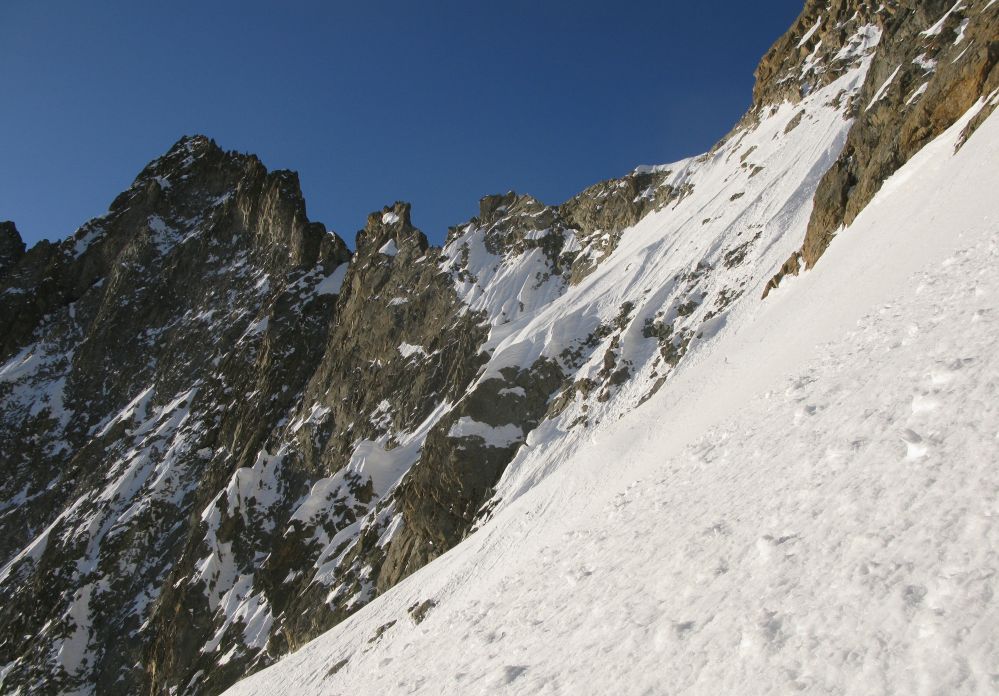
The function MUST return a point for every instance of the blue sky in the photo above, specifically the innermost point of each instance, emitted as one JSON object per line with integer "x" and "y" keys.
{"x": 435, "y": 102}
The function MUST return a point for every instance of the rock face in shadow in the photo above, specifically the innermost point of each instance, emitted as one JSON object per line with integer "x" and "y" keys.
{"x": 463, "y": 458}
{"x": 11, "y": 247}
{"x": 145, "y": 358}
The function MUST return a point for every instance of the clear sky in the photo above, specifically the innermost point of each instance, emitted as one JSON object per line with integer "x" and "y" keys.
{"x": 371, "y": 101}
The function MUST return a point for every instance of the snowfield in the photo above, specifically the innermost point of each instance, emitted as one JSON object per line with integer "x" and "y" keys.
{"x": 810, "y": 504}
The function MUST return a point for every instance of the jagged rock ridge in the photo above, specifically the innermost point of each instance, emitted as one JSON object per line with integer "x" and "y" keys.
{"x": 211, "y": 405}
{"x": 942, "y": 59}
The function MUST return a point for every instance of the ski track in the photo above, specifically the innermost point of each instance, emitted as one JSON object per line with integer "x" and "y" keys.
{"x": 810, "y": 505}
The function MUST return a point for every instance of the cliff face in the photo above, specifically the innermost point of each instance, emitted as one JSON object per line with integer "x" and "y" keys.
{"x": 935, "y": 61}
{"x": 223, "y": 432}
{"x": 146, "y": 356}
{"x": 11, "y": 247}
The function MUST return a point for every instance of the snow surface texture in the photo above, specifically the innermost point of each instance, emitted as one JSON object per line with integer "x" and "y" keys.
{"x": 811, "y": 506}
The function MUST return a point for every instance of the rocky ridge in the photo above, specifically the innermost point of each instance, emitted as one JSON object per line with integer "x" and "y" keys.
{"x": 224, "y": 432}
{"x": 212, "y": 403}
{"x": 942, "y": 59}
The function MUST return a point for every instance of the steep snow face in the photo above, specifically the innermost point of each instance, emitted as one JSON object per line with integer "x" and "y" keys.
{"x": 811, "y": 505}
{"x": 675, "y": 279}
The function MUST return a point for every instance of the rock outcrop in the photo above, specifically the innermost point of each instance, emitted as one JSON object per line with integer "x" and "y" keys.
{"x": 11, "y": 247}
{"x": 935, "y": 60}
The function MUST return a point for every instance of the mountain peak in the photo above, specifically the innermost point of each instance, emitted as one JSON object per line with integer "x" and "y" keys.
{"x": 11, "y": 246}
{"x": 389, "y": 230}
{"x": 191, "y": 148}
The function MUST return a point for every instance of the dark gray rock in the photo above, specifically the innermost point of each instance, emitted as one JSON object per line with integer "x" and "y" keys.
{"x": 11, "y": 247}
{"x": 143, "y": 340}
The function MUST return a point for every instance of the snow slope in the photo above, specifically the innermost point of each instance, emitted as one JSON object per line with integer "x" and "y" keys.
{"x": 810, "y": 506}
